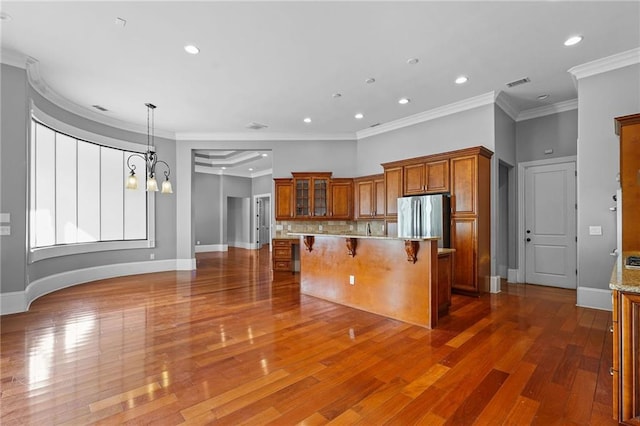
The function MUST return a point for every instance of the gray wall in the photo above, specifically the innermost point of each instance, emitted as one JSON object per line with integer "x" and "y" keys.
{"x": 558, "y": 132}
{"x": 233, "y": 187}
{"x": 601, "y": 98}
{"x": 504, "y": 195}
{"x": 207, "y": 206}
{"x": 262, "y": 185}
{"x": 15, "y": 99}
{"x": 13, "y": 189}
{"x": 461, "y": 130}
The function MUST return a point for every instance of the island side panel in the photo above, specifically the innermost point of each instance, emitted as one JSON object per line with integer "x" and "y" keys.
{"x": 385, "y": 282}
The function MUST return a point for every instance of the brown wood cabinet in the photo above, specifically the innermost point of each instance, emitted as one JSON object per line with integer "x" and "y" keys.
{"x": 468, "y": 180}
{"x": 284, "y": 198}
{"x": 445, "y": 280}
{"x": 626, "y": 357}
{"x": 628, "y": 128}
{"x": 426, "y": 177}
{"x": 311, "y": 195}
{"x": 341, "y": 199}
{"x": 282, "y": 254}
{"x": 369, "y": 197}
{"x": 393, "y": 190}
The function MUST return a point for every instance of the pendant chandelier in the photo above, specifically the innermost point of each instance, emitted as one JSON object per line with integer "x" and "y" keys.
{"x": 151, "y": 161}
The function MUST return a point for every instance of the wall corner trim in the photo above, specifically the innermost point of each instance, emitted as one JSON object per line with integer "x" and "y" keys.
{"x": 609, "y": 63}
{"x": 595, "y": 298}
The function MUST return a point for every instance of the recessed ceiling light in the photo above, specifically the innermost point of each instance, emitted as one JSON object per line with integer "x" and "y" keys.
{"x": 307, "y": 120}
{"x": 336, "y": 95}
{"x": 413, "y": 61}
{"x": 223, "y": 168}
{"x": 543, "y": 97}
{"x": 404, "y": 101}
{"x": 264, "y": 155}
{"x": 370, "y": 80}
{"x": 359, "y": 116}
{"x": 462, "y": 79}
{"x": 250, "y": 169}
{"x": 573, "y": 40}
{"x": 190, "y": 48}
{"x": 5, "y": 16}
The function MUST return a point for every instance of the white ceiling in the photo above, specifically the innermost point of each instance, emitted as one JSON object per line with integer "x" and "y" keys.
{"x": 278, "y": 62}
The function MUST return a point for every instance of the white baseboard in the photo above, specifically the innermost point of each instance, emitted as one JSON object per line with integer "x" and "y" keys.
{"x": 185, "y": 264}
{"x": 512, "y": 275}
{"x": 21, "y": 300}
{"x": 212, "y": 247}
{"x": 12, "y": 303}
{"x": 595, "y": 298}
{"x": 494, "y": 284}
{"x": 243, "y": 245}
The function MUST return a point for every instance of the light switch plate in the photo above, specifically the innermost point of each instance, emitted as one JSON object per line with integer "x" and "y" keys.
{"x": 5, "y": 217}
{"x": 595, "y": 230}
{"x": 5, "y": 230}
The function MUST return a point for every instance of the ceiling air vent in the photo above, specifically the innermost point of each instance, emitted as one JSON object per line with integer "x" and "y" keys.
{"x": 100, "y": 108}
{"x": 256, "y": 126}
{"x": 519, "y": 82}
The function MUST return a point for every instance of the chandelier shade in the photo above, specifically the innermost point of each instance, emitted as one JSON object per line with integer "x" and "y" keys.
{"x": 151, "y": 161}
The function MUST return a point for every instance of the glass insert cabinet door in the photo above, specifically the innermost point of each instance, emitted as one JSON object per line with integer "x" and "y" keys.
{"x": 312, "y": 194}
{"x": 303, "y": 200}
{"x": 320, "y": 191}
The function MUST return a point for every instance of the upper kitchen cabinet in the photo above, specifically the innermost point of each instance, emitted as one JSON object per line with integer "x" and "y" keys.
{"x": 341, "y": 199}
{"x": 426, "y": 177}
{"x": 470, "y": 181}
{"x": 628, "y": 128}
{"x": 393, "y": 191}
{"x": 284, "y": 198}
{"x": 311, "y": 195}
{"x": 369, "y": 197}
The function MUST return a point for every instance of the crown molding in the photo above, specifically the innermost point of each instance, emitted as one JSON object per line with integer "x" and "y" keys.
{"x": 432, "y": 114}
{"x": 609, "y": 63}
{"x": 251, "y": 136}
{"x": 40, "y": 85}
{"x": 503, "y": 102}
{"x": 210, "y": 171}
{"x": 548, "y": 110}
{"x": 13, "y": 58}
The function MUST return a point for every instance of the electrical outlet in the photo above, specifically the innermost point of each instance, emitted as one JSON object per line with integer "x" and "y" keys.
{"x": 152, "y": 256}
{"x": 5, "y": 230}
{"x": 352, "y": 279}
{"x": 197, "y": 243}
{"x": 319, "y": 227}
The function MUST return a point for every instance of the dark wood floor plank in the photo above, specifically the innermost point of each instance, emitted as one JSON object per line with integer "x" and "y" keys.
{"x": 233, "y": 343}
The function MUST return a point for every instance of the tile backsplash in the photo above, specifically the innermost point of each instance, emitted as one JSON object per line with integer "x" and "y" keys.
{"x": 283, "y": 227}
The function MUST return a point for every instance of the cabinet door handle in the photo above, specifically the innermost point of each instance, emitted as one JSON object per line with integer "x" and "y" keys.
{"x": 611, "y": 329}
{"x": 611, "y": 370}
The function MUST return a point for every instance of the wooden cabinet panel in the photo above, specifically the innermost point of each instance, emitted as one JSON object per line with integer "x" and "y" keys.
{"x": 378, "y": 197}
{"x": 341, "y": 199}
{"x": 369, "y": 197}
{"x": 437, "y": 176}
{"x": 414, "y": 179}
{"x": 445, "y": 280}
{"x": 464, "y": 239}
{"x": 281, "y": 255}
{"x": 464, "y": 185}
{"x": 284, "y": 199}
{"x": 627, "y": 380}
{"x": 629, "y": 131}
{"x": 393, "y": 190}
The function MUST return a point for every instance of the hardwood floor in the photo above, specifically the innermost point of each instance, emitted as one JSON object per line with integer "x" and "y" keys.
{"x": 227, "y": 345}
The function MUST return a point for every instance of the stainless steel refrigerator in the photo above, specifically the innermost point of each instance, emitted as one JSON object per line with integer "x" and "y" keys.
{"x": 425, "y": 216}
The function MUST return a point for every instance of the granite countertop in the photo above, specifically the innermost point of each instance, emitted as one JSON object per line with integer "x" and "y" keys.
{"x": 623, "y": 278}
{"x": 356, "y": 235}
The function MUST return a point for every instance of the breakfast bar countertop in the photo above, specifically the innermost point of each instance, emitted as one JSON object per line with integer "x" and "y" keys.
{"x": 623, "y": 278}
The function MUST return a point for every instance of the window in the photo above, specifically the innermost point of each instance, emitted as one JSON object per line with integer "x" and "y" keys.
{"x": 78, "y": 200}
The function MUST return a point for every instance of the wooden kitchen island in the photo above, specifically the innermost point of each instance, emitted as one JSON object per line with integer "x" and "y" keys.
{"x": 388, "y": 276}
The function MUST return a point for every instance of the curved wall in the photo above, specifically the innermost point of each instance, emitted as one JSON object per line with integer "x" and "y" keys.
{"x": 22, "y": 282}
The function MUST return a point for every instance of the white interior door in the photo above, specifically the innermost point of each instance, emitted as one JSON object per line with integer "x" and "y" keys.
{"x": 550, "y": 225}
